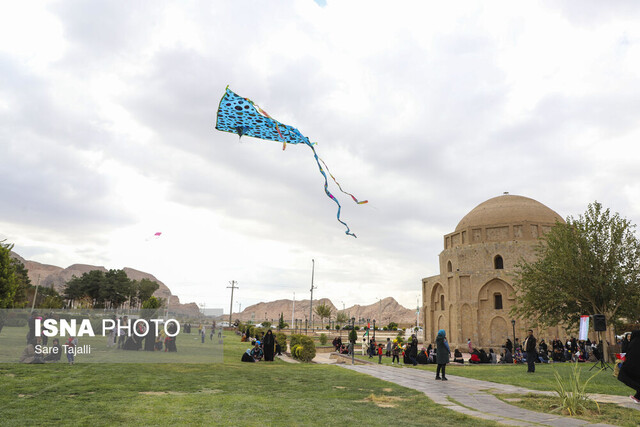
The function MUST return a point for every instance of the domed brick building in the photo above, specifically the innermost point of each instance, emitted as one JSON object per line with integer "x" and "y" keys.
{"x": 472, "y": 295}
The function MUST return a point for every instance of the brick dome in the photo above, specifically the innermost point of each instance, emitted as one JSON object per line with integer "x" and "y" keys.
{"x": 508, "y": 209}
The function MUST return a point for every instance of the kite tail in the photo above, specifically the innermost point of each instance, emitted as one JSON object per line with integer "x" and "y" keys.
{"x": 326, "y": 190}
{"x": 338, "y": 184}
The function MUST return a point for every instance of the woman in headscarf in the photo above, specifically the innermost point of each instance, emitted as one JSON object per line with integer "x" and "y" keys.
{"x": 630, "y": 370}
{"x": 442, "y": 354}
{"x": 457, "y": 356}
{"x": 269, "y": 346}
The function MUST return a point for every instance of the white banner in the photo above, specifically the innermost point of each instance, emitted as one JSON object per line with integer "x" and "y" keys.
{"x": 584, "y": 328}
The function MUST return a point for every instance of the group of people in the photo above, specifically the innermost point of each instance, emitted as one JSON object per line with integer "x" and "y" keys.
{"x": 54, "y": 351}
{"x": 144, "y": 338}
{"x": 263, "y": 348}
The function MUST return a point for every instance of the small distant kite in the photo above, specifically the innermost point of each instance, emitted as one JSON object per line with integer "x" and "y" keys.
{"x": 241, "y": 116}
{"x": 154, "y": 237}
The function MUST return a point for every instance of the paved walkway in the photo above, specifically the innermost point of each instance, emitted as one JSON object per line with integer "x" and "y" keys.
{"x": 467, "y": 396}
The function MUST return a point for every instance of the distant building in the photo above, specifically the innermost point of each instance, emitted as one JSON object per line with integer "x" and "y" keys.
{"x": 472, "y": 295}
{"x": 213, "y": 312}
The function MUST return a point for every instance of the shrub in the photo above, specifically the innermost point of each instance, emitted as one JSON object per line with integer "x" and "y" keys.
{"x": 323, "y": 339}
{"x": 572, "y": 391}
{"x": 357, "y": 328}
{"x": 282, "y": 340}
{"x": 294, "y": 340}
{"x": 353, "y": 336}
{"x": 302, "y": 348}
{"x": 327, "y": 327}
{"x": 16, "y": 321}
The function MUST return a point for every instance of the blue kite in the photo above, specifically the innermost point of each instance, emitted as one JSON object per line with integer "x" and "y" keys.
{"x": 243, "y": 117}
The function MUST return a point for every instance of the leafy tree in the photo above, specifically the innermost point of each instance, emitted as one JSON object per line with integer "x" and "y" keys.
{"x": 151, "y": 303}
{"x": 392, "y": 326}
{"x": 342, "y": 318}
{"x": 323, "y": 311}
{"x": 8, "y": 283}
{"x": 144, "y": 289}
{"x": 590, "y": 265}
{"x": 110, "y": 289}
{"x": 21, "y": 297}
{"x": 116, "y": 289}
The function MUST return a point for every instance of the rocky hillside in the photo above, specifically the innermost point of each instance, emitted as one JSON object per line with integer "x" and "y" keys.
{"x": 387, "y": 310}
{"x": 56, "y": 277}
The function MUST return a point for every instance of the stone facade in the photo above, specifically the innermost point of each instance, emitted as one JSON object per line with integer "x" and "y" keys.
{"x": 472, "y": 295}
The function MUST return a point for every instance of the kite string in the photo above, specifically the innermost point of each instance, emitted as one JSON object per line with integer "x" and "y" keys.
{"x": 338, "y": 184}
{"x": 264, "y": 113}
{"x": 326, "y": 190}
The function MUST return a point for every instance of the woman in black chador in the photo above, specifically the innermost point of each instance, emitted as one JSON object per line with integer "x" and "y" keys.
{"x": 630, "y": 371}
{"x": 269, "y": 343}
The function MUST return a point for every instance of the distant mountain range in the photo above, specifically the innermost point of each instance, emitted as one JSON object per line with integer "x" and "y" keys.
{"x": 55, "y": 277}
{"x": 384, "y": 311}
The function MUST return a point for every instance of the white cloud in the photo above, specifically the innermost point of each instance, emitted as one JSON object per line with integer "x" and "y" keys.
{"x": 107, "y": 115}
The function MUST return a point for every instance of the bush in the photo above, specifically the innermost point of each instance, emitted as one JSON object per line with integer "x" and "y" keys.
{"x": 323, "y": 339}
{"x": 353, "y": 336}
{"x": 294, "y": 340}
{"x": 357, "y": 328}
{"x": 282, "y": 340}
{"x": 302, "y": 348}
{"x": 327, "y": 327}
{"x": 16, "y": 321}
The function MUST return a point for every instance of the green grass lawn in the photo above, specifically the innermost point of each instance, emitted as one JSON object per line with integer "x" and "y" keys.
{"x": 228, "y": 393}
{"x": 606, "y": 413}
{"x": 543, "y": 379}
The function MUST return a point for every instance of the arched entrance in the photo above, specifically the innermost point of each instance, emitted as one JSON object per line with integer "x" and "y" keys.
{"x": 498, "y": 331}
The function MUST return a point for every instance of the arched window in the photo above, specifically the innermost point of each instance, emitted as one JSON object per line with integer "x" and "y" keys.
{"x": 498, "y": 264}
{"x": 449, "y": 267}
{"x": 497, "y": 301}
{"x": 442, "y": 302}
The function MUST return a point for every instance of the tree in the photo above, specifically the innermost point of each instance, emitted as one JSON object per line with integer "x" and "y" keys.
{"x": 342, "y": 318}
{"x": 281, "y": 323}
{"x": 8, "y": 283}
{"x": 590, "y": 265}
{"x": 152, "y": 303}
{"x": 323, "y": 311}
{"x": 21, "y": 297}
{"x": 144, "y": 288}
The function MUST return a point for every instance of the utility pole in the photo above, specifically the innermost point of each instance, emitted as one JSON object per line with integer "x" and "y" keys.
{"x": 36, "y": 294}
{"x": 293, "y": 312}
{"x": 313, "y": 265}
{"x": 233, "y": 286}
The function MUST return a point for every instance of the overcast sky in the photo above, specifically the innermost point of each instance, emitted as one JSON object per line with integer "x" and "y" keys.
{"x": 107, "y": 116}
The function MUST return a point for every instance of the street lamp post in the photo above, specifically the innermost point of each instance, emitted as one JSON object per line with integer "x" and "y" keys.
{"x": 513, "y": 325}
{"x": 374, "y": 329}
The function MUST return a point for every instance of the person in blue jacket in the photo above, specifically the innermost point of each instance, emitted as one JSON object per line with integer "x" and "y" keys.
{"x": 442, "y": 354}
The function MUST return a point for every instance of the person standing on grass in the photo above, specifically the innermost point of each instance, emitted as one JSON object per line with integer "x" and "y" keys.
{"x": 530, "y": 348}
{"x": 395, "y": 351}
{"x": 380, "y": 354}
{"x": 442, "y": 354}
{"x": 630, "y": 371}
{"x": 269, "y": 346}
{"x": 388, "y": 352}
